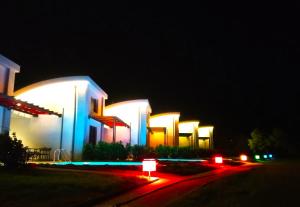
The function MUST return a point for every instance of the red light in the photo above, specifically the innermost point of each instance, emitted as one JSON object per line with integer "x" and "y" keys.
{"x": 243, "y": 157}
{"x": 149, "y": 165}
{"x": 218, "y": 160}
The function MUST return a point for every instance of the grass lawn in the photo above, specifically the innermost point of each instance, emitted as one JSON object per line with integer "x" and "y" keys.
{"x": 183, "y": 168}
{"x": 276, "y": 183}
{"x": 52, "y": 188}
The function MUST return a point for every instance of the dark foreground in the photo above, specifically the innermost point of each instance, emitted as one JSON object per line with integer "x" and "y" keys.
{"x": 169, "y": 189}
{"x": 58, "y": 188}
{"x": 276, "y": 183}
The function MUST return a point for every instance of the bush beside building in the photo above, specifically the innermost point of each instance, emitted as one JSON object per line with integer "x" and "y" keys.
{"x": 117, "y": 151}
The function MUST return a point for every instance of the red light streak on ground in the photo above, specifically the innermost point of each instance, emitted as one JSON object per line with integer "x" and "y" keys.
{"x": 170, "y": 187}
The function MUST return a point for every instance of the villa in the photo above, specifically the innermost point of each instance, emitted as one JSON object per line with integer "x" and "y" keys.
{"x": 163, "y": 129}
{"x": 8, "y": 69}
{"x": 135, "y": 113}
{"x": 64, "y": 114}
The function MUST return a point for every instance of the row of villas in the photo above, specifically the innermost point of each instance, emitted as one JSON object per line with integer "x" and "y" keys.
{"x": 66, "y": 113}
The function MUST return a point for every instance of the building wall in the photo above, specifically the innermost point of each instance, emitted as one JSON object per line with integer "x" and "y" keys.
{"x": 168, "y": 121}
{"x": 157, "y": 137}
{"x": 36, "y": 132}
{"x": 184, "y": 141}
{"x": 70, "y": 96}
{"x": 189, "y": 127}
{"x": 122, "y": 135}
{"x": 205, "y": 134}
{"x": 203, "y": 143}
{"x": 8, "y": 69}
{"x": 135, "y": 113}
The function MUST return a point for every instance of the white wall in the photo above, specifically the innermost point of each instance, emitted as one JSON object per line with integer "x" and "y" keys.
{"x": 135, "y": 114}
{"x": 7, "y": 67}
{"x": 68, "y": 96}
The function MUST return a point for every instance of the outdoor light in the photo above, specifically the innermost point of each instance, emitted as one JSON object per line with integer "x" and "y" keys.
{"x": 270, "y": 156}
{"x": 243, "y": 157}
{"x": 149, "y": 165}
{"x": 218, "y": 160}
{"x": 257, "y": 157}
{"x": 265, "y": 156}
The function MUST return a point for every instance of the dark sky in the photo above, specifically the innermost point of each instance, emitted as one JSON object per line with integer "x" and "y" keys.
{"x": 231, "y": 65}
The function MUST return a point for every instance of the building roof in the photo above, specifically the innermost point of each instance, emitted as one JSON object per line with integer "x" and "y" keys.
{"x": 9, "y": 64}
{"x": 59, "y": 80}
{"x": 110, "y": 121}
{"x": 11, "y": 103}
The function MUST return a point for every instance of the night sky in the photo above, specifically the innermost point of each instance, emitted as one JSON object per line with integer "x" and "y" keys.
{"x": 231, "y": 65}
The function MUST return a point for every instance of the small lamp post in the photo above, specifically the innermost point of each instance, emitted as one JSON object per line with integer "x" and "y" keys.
{"x": 218, "y": 159}
{"x": 243, "y": 157}
{"x": 149, "y": 165}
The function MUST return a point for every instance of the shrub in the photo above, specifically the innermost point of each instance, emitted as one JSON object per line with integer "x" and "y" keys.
{"x": 181, "y": 152}
{"x": 12, "y": 151}
{"x": 104, "y": 151}
{"x": 88, "y": 152}
{"x": 116, "y": 151}
{"x": 162, "y": 151}
{"x": 140, "y": 152}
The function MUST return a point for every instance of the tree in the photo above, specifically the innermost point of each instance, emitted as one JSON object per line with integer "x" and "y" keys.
{"x": 12, "y": 151}
{"x": 263, "y": 141}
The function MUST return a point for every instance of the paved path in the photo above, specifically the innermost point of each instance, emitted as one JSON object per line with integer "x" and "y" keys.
{"x": 169, "y": 188}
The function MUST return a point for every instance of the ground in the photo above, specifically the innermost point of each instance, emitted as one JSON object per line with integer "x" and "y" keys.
{"x": 272, "y": 183}
{"x": 183, "y": 168}
{"x": 72, "y": 185}
{"x": 57, "y": 188}
{"x": 275, "y": 183}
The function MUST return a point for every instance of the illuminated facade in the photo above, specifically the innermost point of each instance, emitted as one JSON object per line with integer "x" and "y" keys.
{"x": 205, "y": 137}
{"x": 8, "y": 69}
{"x": 188, "y": 133}
{"x": 73, "y": 113}
{"x": 163, "y": 129}
{"x": 77, "y": 98}
{"x": 134, "y": 113}
{"x": 193, "y": 135}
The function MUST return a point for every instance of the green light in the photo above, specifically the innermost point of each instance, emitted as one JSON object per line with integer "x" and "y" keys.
{"x": 265, "y": 156}
{"x": 257, "y": 157}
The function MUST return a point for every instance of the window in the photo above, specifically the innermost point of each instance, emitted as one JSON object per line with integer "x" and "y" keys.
{"x": 93, "y": 135}
{"x": 94, "y": 105}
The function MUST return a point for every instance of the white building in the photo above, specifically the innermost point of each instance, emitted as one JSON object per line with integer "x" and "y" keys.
{"x": 66, "y": 113}
{"x": 135, "y": 113}
{"x": 79, "y": 99}
{"x": 8, "y": 69}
